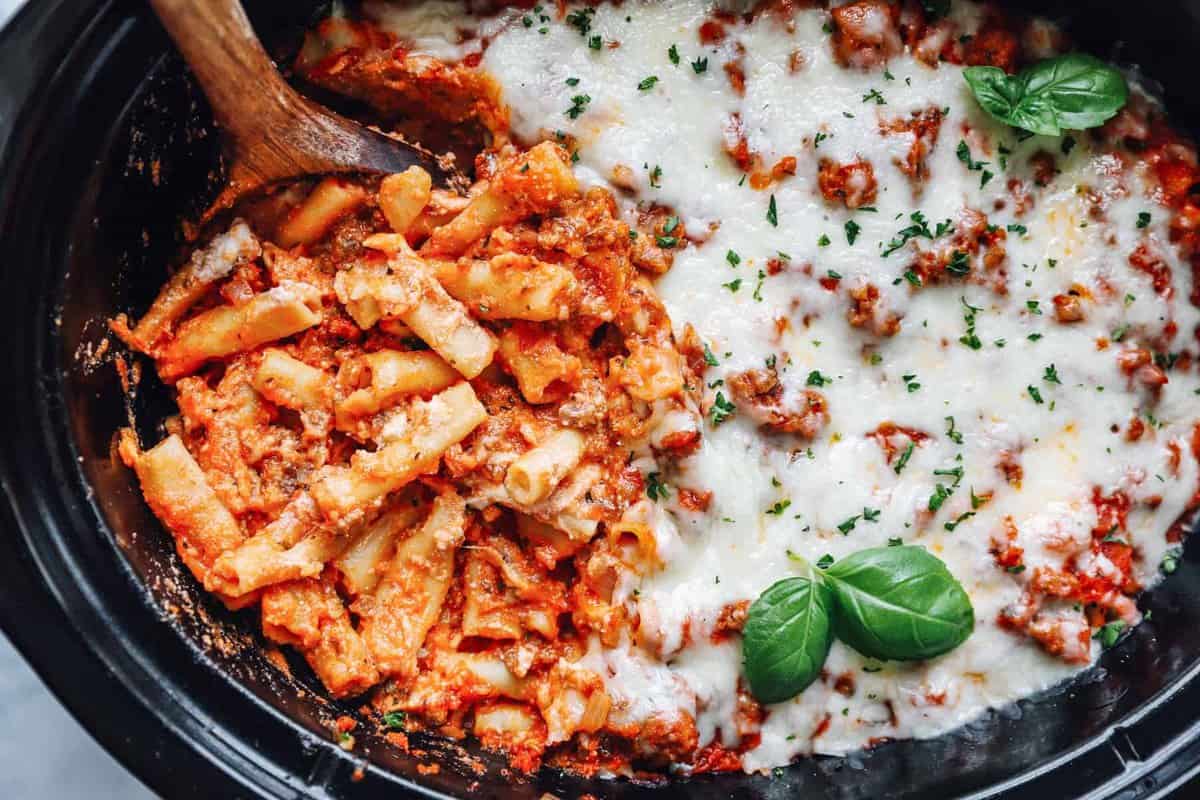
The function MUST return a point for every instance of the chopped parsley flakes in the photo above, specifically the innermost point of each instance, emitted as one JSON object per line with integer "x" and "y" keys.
{"x": 970, "y": 339}
{"x": 964, "y": 155}
{"x": 656, "y": 177}
{"x": 581, "y": 20}
{"x": 852, "y": 231}
{"x": 954, "y": 435}
{"x": 1110, "y": 632}
{"x": 721, "y": 410}
{"x": 655, "y": 489}
{"x": 579, "y": 104}
{"x": 779, "y": 507}
{"x": 959, "y": 264}
{"x": 919, "y": 228}
{"x": 963, "y": 517}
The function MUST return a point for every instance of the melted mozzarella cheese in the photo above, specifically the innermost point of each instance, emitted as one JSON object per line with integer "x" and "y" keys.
{"x": 776, "y": 494}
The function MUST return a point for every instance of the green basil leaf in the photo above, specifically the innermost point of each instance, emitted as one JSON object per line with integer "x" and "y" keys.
{"x": 1073, "y": 91}
{"x": 786, "y": 638}
{"x": 997, "y": 92}
{"x": 899, "y": 603}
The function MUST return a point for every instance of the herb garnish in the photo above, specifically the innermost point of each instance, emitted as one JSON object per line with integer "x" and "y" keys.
{"x": 1072, "y": 91}
{"x": 815, "y": 378}
{"x": 1110, "y": 632}
{"x": 721, "y": 410}
{"x": 897, "y": 602}
{"x": 918, "y": 228}
{"x": 958, "y": 264}
{"x": 963, "y": 151}
{"x": 954, "y": 435}
{"x": 579, "y": 104}
{"x": 581, "y": 20}
{"x": 779, "y": 507}
{"x": 852, "y": 231}
{"x": 655, "y": 489}
{"x": 970, "y": 339}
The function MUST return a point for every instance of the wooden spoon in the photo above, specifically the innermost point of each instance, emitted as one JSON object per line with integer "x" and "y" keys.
{"x": 272, "y": 133}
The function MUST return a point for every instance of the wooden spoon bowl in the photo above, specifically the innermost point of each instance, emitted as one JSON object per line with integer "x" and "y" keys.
{"x": 271, "y": 133}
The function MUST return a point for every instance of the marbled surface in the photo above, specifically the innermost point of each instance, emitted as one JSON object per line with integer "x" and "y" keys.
{"x": 44, "y": 753}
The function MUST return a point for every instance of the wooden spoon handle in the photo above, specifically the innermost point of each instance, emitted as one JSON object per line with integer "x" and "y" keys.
{"x": 239, "y": 79}
{"x": 273, "y": 133}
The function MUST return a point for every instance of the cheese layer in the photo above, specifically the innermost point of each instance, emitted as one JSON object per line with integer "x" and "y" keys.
{"x": 981, "y": 368}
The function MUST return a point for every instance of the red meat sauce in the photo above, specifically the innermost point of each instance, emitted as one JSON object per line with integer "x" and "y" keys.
{"x": 1098, "y": 596}
{"x": 865, "y": 34}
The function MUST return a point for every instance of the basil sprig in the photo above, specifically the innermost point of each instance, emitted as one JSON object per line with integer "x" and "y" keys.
{"x": 787, "y": 637}
{"x": 1071, "y": 92}
{"x": 899, "y": 603}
